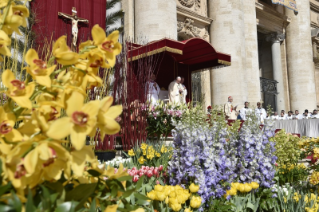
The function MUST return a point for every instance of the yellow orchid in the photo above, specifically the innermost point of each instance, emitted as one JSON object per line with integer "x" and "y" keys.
{"x": 110, "y": 172}
{"x": 7, "y": 121}
{"x": 38, "y": 68}
{"x": 48, "y": 158}
{"x": 111, "y": 208}
{"x": 108, "y": 45}
{"x": 97, "y": 59}
{"x": 15, "y": 18}
{"x": 79, "y": 159}
{"x": 79, "y": 123}
{"x": 106, "y": 117}
{"x": 17, "y": 90}
{"x": 62, "y": 52}
{"x": 5, "y": 41}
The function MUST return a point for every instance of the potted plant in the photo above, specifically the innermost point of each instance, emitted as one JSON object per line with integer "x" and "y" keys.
{"x": 104, "y": 150}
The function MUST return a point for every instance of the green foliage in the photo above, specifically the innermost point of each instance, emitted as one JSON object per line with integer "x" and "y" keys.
{"x": 287, "y": 150}
{"x": 220, "y": 205}
{"x": 292, "y": 174}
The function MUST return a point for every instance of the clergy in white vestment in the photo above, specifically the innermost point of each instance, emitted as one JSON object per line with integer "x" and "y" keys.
{"x": 261, "y": 112}
{"x": 282, "y": 116}
{"x": 297, "y": 115}
{"x": 290, "y": 116}
{"x": 175, "y": 92}
{"x": 275, "y": 116}
{"x": 152, "y": 90}
{"x": 245, "y": 111}
{"x": 230, "y": 110}
{"x": 184, "y": 90}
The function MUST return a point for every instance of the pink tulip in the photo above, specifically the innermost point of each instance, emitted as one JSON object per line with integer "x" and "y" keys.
{"x": 135, "y": 178}
{"x": 149, "y": 173}
{"x": 160, "y": 168}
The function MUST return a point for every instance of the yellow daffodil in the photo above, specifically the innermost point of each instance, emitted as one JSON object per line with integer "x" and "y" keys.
{"x": 17, "y": 90}
{"x": 141, "y": 160}
{"x": 79, "y": 123}
{"x": 193, "y": 188}
{"x": 7, "y": 121}
{"x": 38, "y": 68}
{"x": 5, "y": 41}
{"x": 106, "y": 117}
{"x": 62, "y": 52}
{"x": 108, "y": 45}
{"x": 131, "y": 152}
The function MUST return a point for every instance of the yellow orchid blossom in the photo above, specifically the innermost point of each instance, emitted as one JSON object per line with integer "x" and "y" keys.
{"x": 62, "y": 52}
{"x": 48, "y": 158}
{"x": 7, "y": 121}
{"x": 79, "y": 159}
{"x": 38, "y": 68}
{"x": 17, "y": 90}
{"x": 80, "y": 122}
{"x": 110, "y": 172}
{"x": 108, "y": 45}
{"x": 15, "y": 18}
{"x": 5, "y": 41}
{"x": 111, "y": 208}
{"x": 106, "y": 117}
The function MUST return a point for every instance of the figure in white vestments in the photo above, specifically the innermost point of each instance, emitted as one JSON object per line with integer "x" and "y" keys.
{"x": 175, "y": 92}
{"x": 184, "y": 90}
{"x": 230, "y": 110}
{"x": 260, "y": 112}
{"x": 245, "y": 111}
{"x": 275, "y": 116}
{"x": 152, "y": 90}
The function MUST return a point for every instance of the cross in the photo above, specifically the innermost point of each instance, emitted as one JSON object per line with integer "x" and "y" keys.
{"x": 75, "y": 19}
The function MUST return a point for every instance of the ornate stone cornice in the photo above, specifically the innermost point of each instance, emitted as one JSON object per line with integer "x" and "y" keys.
{"x": 186, "y": 29}
{"x": 187, "y": 3}
{"x": 269, "y": 19}
{"x": 193, "y": 15}
{"x": 314, "y": 7}
{"x": 275, "y": 37}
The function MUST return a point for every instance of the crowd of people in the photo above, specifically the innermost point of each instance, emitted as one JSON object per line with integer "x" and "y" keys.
{"x": 231, "y": 112}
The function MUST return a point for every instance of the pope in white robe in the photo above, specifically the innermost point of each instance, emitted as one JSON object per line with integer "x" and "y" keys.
{"x": 175, "y": 92}
{"x": 229, "y": 110}
{"x": 152, "y": 90}
{"x": 184, "y": 90}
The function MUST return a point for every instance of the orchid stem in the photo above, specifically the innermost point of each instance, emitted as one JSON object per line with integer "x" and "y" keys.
{"x": 5, "y": 14}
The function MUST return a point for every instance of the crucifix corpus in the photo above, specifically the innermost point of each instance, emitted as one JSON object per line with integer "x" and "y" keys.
{"x": 75, "y": 19}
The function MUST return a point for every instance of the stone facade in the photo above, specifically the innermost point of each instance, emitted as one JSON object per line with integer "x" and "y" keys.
{"x": 265, "y": 40}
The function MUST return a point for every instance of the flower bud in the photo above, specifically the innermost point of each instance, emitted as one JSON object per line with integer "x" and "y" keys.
{"x": 136, "y": 178}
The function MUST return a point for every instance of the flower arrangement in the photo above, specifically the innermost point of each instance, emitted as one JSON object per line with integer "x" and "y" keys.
{"x": 46, "y": 119}
{"x": 146, "y": 171}
{"x": 160, "y": 119}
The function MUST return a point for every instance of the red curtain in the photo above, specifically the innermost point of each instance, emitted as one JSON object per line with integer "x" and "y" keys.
{"x": 49, "y": 24}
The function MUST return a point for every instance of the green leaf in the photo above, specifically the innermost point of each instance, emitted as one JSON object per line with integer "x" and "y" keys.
{"x": 140, "y": 196}
{"x": 94, "y": 173}
{"x": 6, "y": 208}
{"x": 67, "y": 206}
{"x": 124, "y": 178}
{"x": 128, "y": 193}
{"x": 46, "y": 198}
{"x": 80, "y": 192}
{"x": 15, "y": 202}
{"x": 139, "y": 182}
{"x": 93, "y": 206}
{"x": 5, "y": 188}
{"x": 29, "y": 206}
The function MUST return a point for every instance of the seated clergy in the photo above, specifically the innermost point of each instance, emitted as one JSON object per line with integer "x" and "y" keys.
{"x": 315, "y": 114}
{"x": 290, "y": 115}
{"x": 152, "y": 90}
{"x": 297, "y": 115}
{"x": 275, "y": 116}
{"x": 282, "y": 116}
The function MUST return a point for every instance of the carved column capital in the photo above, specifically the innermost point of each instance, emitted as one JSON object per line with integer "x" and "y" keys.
{"x": 275, "y": 37}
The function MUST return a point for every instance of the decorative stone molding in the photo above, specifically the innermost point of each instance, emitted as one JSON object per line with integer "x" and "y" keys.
{"x": 315, "y": 45}
{"x": 187, "y": 3}
{"x": 187, "y": 29}
{"x": 193, "y": 15}
{"x": 197, "y": 5}
{"x": 275, "y": 37}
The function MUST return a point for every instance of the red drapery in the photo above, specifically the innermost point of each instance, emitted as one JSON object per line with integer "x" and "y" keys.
{"x": 49, "y": 24}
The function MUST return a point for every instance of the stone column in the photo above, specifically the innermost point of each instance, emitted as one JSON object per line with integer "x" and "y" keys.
{"x": 252, "y": 61}
{"x": 300, "y": 59}
{"x": 128, "y": 8}
{"x": 228, "y": 36}
{"x": 206, "y": 88}
{"x": 275, "y": 39}
{"x": 154, "y": 20}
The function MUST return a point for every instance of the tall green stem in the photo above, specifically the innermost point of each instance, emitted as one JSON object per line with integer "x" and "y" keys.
{"x": 5, "y": 14}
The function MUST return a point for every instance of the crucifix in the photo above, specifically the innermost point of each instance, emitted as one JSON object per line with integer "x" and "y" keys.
{"x": 75, "y": 19}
